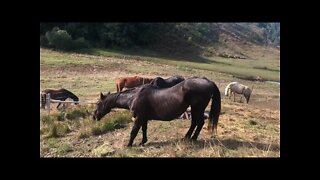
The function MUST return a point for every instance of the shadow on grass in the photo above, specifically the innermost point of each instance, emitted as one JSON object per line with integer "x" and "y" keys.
{"x": 146, "y": 53}
{"x": 232, "y": 144}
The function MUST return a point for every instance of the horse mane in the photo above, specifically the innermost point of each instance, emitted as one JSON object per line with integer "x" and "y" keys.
{"x": 226, "y": 90}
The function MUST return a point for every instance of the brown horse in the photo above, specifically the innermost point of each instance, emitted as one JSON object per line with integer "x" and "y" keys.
{"x": 130, "y": 82}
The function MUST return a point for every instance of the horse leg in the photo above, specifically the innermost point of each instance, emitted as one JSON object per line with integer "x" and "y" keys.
{"x": 144, "y": 133}
{"x": 200, "y": 122}
{"x": 193, "y": 123}
{"x": 134, "y": 131}
{"x": 58, "y": 105}
{"x": 234, "y": 96}
{"x": 117, "y": 87}
{"x": 122, "y": 84}
{"x": 191, "y": 129}
{"x": 240, "y": 98}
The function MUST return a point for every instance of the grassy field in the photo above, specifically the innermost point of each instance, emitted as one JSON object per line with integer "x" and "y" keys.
{"x": 244, "y": 130}
{"x": 267, "y": 65}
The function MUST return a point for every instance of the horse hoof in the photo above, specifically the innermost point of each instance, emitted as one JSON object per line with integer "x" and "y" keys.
{"x": 185, "y": 139}
{"x": 193, "y": 140}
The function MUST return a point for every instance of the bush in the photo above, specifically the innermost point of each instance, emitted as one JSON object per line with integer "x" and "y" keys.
{"x": 80, "y": 43}
{"x": 59, "y": 39}
{"x": 43, "y": 41}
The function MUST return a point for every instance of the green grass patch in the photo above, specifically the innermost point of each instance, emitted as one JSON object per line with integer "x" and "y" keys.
{"x": 53, "y": 132}
{"x": 64, "y": 149}
{"x": 268, "y": 70}
{"x": 53, "y": 143}
{"x": 110, "y": 123}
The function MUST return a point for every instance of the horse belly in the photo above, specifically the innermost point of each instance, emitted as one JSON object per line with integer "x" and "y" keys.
{"x": 167, "y": 111}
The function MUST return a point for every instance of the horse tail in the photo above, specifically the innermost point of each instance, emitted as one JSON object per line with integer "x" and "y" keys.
{"x": 215, "y": 109}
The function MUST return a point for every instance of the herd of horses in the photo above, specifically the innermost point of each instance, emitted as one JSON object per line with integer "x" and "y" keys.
{"x": 161, "y": 99}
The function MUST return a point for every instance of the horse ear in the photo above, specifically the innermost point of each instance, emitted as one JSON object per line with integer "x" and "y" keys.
{"x": 101, "y": 95}
{"x": 108, "y": 93}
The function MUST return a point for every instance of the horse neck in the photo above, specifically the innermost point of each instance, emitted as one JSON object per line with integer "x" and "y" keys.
{"x": 72, "y": 96}
{"x": 247, "y": 91}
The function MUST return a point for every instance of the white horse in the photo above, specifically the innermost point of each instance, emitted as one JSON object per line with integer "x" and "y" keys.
{"x": 237, "y": 88}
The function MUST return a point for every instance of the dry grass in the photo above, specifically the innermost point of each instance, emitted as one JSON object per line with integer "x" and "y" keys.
{"x": 244, "y": 130}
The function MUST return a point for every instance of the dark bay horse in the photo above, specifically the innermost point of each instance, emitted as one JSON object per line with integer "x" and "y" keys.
{"x": 130, "y": 82}
{"x": 59, "y": 94}
{"x": 165, "y": 83}
{"x": 151, "y": 103}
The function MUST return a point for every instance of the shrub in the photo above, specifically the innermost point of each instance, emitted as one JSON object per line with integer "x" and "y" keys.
{"x": 59, "y": 39}
{"x": 43, "y": 41}
{"x": 80, "y": 43}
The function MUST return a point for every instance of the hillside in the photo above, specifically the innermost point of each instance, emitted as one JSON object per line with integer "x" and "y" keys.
{"x": 222, "y": 39}
{"x": 179, "y": 39}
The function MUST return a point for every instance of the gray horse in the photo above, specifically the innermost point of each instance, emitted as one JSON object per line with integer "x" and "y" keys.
{"x": 237, "y": 88}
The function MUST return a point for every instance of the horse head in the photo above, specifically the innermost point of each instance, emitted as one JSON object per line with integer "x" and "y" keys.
{"x": 103, "y": 107}
{"x": 247, "y": 93}
{"x": 75, "y": 98}
{"x": 158, "y": 82}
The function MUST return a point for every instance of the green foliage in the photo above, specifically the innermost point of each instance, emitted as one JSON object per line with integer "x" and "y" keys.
{"x": 61, "y": 39}
{"x": 74, "y": 36}
{"x": 44, "y": 41}
{"x": 271, "y": 32}
{"x": 80, "y": 43}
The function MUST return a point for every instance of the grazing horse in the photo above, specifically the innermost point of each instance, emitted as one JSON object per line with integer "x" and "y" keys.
{"x": 151, "y": 103}
{"x": 59, "y": 94}
{"x": 130, "y": 82}
{"x": 236, "y": 88}
{"x": 165, "y": 83}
